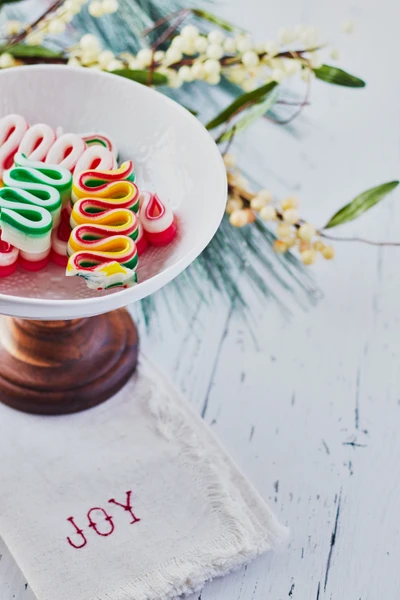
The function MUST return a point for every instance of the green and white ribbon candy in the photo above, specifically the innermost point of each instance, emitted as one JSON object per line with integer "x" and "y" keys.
{"x": 25, "y": 226}
{"x": 52, "y": 175}
{"x": 48, "y": 183}
{"x": 22, "y": 179}
{"x": 48, "y": 199}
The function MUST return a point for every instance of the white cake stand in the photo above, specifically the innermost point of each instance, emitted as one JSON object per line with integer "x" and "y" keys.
{"x": 61, "y": 348}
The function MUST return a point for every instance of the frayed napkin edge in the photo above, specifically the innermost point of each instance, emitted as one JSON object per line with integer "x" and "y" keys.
{"x": 188, "y": 574}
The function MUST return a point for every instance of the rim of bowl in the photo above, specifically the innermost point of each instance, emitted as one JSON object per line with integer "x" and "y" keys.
{"x": 152, "y": 284}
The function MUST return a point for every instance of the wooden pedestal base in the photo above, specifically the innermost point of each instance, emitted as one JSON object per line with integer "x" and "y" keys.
{"x": 60, "y": 367}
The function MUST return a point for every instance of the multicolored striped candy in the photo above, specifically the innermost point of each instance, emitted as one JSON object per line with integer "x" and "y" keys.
{"x": 157, "y": 220}
{"x": 12, "y": 130}
{"x": 94, "y": 178}
{"x": 109, "y": 185}
{"x": 92, "y": 239}
{"x": 100, "y": 275}
{"x": 104, "y": 262}
{"x": 100, "y": 139}
{"x": 115, "y": 221}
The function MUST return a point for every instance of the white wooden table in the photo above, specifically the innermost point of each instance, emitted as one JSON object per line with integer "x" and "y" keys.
{"x": 309, "y": 405}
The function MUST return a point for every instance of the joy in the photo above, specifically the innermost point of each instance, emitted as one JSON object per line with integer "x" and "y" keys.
{"x": 100, "y": 521}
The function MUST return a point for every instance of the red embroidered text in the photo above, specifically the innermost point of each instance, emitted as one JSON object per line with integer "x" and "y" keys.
{"x": 99, "y": 521}
{"x": 79, "y": 532}
{"x": 106, "y": 518}
{"x": 127, "y": 506}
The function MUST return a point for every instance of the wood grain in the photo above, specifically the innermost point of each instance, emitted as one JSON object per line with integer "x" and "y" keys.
{"x": 60, "y": 367}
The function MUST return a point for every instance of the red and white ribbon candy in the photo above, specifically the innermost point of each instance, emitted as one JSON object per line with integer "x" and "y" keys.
{"x": 96, "y": 158}
{"x": 34, "y": 262}
{"x": 157, "y": 220}
{"x": 12, "y": 130}
{"x": 66, "y": 151}
{"x": 59, "y": 240}
{"x": 8, "y": 259}
{"x": 141, "y": 241}
{"x": 144, "y": 197}
{"x": 37, "y": 142}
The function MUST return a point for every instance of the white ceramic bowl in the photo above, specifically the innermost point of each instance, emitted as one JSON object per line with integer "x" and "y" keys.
{"x": 173, "y": 155}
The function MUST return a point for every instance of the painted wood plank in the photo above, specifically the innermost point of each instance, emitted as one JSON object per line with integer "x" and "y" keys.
{"x": 310, "y": 406}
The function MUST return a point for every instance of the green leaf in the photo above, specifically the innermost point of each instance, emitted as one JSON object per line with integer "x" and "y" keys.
{"x": 191, "y": 110}
{"x": 254, "y": 97}
{"x": 338, "y": 77}
{"x": 7, "y": 2}
{"x": 207, "y": 16}
{"x": 142, "y": 76}
{"x": 361, "y": 204}
{"x": 251, "y": 115}
{"x": 24, "y": 51}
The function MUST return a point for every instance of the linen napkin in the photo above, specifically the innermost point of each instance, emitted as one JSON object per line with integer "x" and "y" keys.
{"x": 132, "y": 500}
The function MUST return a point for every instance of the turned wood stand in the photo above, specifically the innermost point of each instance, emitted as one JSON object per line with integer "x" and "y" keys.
{"x": 61, "y": 367}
